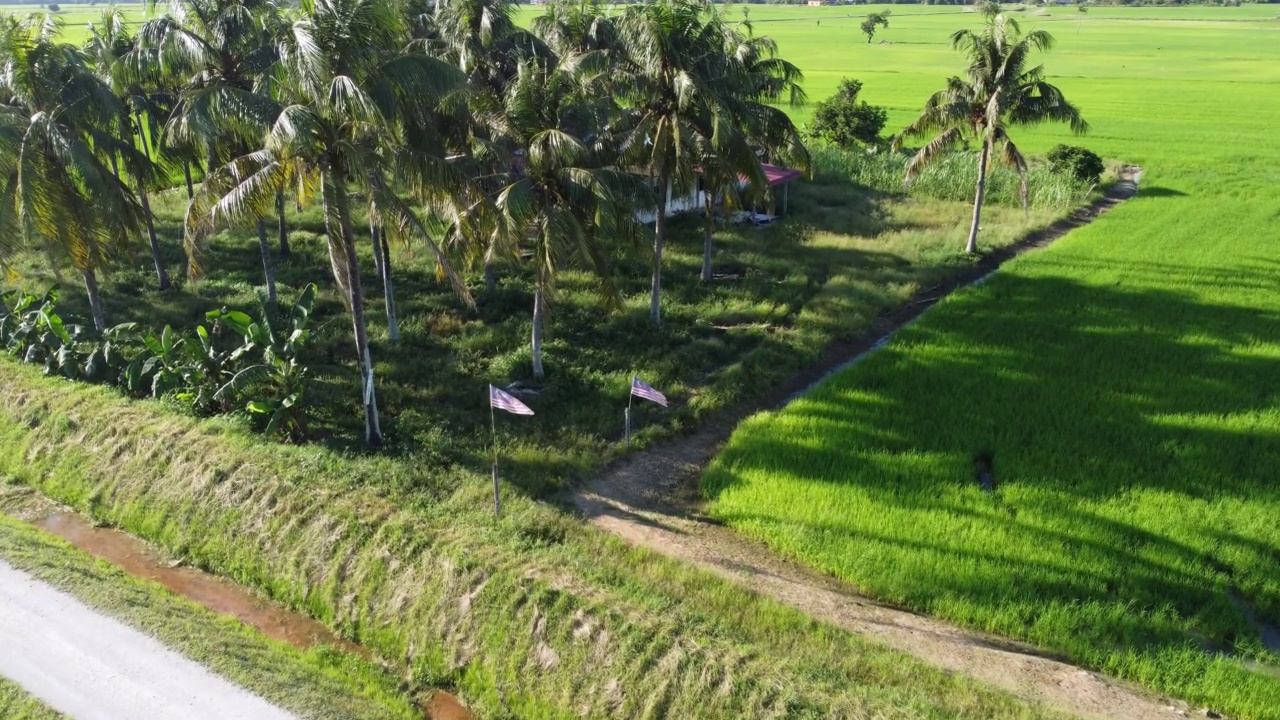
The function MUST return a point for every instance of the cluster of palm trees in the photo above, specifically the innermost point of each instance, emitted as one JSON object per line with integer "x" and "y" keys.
{"x": 444, "y": 122}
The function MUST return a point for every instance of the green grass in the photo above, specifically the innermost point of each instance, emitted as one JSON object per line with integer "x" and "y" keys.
{"x": 16, "y": 704}
{"x": 318, "y": 684}
{"x": 1125, "y": 382}
{"x": 533, "y": 616}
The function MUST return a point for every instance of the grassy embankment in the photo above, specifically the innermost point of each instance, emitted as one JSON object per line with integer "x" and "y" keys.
{"x": 319, "y": 684}
{"x": 533, "y": 616}
{"x": 1124, "y": 383}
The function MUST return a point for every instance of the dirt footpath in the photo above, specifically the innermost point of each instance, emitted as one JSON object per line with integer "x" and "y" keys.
{"x": 92, "y": 667}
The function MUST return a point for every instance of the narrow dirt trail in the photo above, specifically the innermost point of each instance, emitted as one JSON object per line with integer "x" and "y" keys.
{"x": 651, "y": 499}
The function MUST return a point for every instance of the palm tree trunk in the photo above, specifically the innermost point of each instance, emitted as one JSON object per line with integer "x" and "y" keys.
{"x": 538, "y": 310}
{"x": 186, "y": 175}
{"x": 343, "y": 250}
{"x": 490, "y": 277}
{"x": 972, "y": 246}
{"x": 282, "y": 227}
{"x": 268, "y": 265}
{"x": 95, "y": 301}
{"x": 382, "y": 251}
{"x": 377, "y": 245}
{"x": 162, "y": 277}
{"x": 709, "y": 206}
{"x": 659, "y": 239}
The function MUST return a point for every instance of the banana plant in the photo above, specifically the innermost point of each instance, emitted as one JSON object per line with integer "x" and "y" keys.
{"x": 32, "y": 331}
{"x": 277, "y": 383}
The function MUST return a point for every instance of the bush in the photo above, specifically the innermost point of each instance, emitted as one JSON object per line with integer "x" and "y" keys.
{"x": 842, "y": 120}
{"x": 53, "y": 7}
{"x": 1080, "y": 162}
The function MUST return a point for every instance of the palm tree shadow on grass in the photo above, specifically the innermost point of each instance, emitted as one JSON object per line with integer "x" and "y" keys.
{"x": 1093, "y": 402}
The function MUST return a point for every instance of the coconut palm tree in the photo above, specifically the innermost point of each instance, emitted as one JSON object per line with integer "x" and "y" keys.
{"x": 998, "y": 91}
{"x": 110, "y": 48}
{"x": 574, "y": 27}
{"x": 222, "y": 49}
{"x": 563, "y": 202}
{"x": 59, "y": 125}
{"x": 674, "y": 55}
{"x": 681, "y": 81}
{"x": 352, "y": 91}
{"x": 482, "y": 39}
{"x": 749, "y": 126}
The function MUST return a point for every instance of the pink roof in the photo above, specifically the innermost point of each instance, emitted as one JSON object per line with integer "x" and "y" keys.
{"x": 777, "y": 175}
{"x": 774, "y": 174}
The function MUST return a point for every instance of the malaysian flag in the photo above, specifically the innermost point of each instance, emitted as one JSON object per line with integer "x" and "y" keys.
{"x": 505, "y": 401}
{"x": 640, "y": 388}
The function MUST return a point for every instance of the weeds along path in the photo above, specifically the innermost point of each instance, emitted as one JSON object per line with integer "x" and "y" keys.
{"x": 651, "y": 499}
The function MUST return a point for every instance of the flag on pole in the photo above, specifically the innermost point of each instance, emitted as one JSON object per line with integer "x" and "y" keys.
{"x": 640, "y": 388}
{"x": 508, "y": 402}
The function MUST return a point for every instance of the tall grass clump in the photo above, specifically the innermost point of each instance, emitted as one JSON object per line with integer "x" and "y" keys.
{"x": 951, "y": 179}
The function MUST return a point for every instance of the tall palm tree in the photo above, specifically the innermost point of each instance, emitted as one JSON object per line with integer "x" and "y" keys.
{"x": 670, "y": 52}
{"x": 223, "y": 49}
{"x": 749, "y": 127}
{"x": 563, "y": 202}
{"x": 998, "y": 91}
{"x": 682, "y": 82}
{"x": 574, "y": 27}
{"x": 482, "y": 39}
{"x": 351, "y": 92}
{"x": 58, "y": 127}
{"x": 110, "y": 47}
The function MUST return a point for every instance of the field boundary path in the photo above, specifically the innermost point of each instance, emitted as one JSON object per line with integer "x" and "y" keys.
{"x": 651, "y": 499}
{"x": 90, "y": 666}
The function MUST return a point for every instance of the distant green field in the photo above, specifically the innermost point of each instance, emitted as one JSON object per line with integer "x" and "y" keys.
{"x": 76, "y": 18}
{"x": 1125, "y": 382}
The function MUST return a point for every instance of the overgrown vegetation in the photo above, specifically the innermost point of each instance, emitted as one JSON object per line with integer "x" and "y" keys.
{"x": 1080, "y": 162}
{"x": 844, "y": 121}
{"x": 236, "y": 362}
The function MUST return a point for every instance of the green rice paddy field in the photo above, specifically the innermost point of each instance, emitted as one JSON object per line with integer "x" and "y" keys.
{"x": 1124, "y": 382}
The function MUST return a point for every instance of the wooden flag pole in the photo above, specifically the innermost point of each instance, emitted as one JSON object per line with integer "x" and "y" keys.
{"x": 493, "y": 422}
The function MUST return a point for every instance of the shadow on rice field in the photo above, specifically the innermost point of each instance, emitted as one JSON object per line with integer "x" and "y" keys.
{"x": 1128, "y": 509}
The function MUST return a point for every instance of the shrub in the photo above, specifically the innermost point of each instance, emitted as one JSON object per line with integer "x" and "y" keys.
{"x": 1080, "y": 162}
{"x": 842, "y": 120}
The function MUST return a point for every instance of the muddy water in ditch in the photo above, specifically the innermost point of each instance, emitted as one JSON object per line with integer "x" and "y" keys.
{"x": 139, "y": 559}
